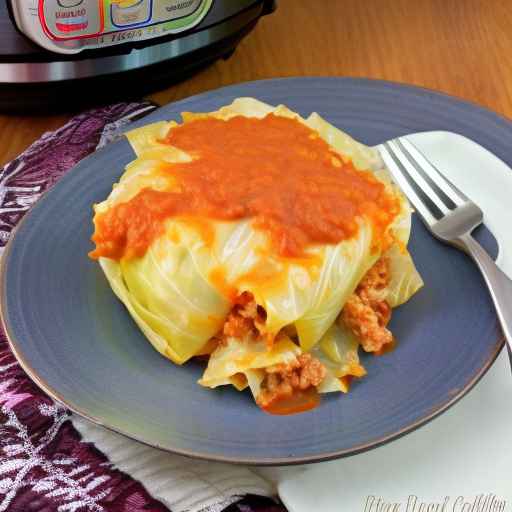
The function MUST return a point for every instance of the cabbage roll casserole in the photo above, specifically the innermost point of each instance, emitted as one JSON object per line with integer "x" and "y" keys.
{"x": 273, "y": 247}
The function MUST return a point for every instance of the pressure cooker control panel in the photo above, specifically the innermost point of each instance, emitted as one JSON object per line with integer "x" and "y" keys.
{"x": 69, "y": 26}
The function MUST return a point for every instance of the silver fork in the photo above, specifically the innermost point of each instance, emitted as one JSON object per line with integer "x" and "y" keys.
{"x": 450, "y": 216}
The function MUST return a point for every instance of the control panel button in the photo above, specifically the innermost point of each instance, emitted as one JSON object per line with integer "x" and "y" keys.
{"x": 167, "y": 10}
{"x": 70, "y": 3}
{"x": 129, "y": 13}
{"x": 65, "y": 19}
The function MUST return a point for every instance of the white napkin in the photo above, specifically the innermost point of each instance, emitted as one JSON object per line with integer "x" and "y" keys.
{"x": 181, "y": 483}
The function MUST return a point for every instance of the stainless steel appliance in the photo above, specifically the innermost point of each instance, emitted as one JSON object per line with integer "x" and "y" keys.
{"x": 59, "y": 53}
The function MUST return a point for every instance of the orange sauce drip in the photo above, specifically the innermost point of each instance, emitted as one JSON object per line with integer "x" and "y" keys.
{"x": 299, "y": 401}
{"x": 274, "y": 170}
{"x": 347, "y": 380}
{"x": 203, "y": 227}
{"x": 218, "y": 278}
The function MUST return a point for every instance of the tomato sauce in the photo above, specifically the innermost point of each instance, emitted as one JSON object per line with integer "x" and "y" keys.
{"x": 299, "y": 401}
{"x": 275, "y": 170}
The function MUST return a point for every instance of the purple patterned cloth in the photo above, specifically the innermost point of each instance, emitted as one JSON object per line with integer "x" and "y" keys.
{"x": 44, "y": 464}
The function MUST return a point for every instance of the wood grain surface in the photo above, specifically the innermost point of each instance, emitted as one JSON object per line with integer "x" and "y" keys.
{"x": 461, "y": 47}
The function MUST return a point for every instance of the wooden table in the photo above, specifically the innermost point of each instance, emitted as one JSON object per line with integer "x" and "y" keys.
{"x": 462, "y": 47}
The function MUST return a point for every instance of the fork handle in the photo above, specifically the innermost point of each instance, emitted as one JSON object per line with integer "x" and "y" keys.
{"x": 500, "y": 286}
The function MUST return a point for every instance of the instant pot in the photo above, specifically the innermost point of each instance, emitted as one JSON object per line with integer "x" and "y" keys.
{"x": 55, "y": 54}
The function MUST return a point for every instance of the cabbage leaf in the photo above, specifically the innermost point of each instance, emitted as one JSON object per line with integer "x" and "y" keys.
{"x": 176, "y": 296}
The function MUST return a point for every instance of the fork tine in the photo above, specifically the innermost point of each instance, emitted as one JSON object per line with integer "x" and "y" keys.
{"x": 452, "y": 196}
{"x": 418, "y": 176}
{"x": 426, "y": 209}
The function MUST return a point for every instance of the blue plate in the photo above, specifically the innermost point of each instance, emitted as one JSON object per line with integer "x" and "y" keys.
{"x": 75, "y": 339}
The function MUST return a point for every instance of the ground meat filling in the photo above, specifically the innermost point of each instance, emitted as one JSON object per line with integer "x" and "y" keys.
{"x": 245, "y": 319}
{"x": 282, "y": 380}
{"x": 366, "y": 312}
